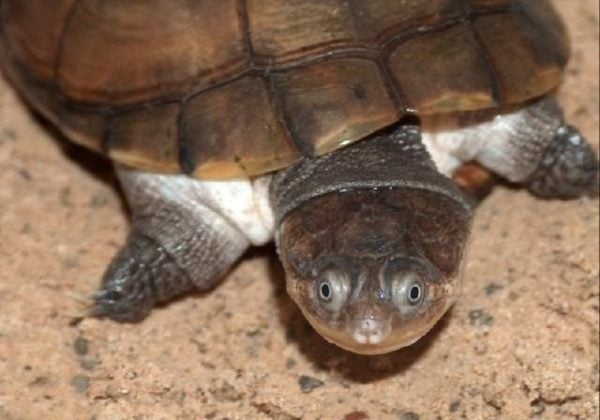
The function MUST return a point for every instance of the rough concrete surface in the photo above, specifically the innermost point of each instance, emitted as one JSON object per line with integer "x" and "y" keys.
{"x": 521, "y": 342}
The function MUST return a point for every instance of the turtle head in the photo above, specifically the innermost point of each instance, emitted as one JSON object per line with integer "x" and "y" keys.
{"x": 374, "y": 270}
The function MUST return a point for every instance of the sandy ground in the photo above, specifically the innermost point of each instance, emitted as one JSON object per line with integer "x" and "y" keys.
{"x": 522, "y": 342}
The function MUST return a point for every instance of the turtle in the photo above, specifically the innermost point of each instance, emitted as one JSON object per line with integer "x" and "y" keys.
{"x": 332, "y": 127}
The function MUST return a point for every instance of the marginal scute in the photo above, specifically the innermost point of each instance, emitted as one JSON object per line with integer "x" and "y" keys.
{"x": 523, "y": 64}
{"x": 334, "y": 102}
{"x": 550, "y": 28}
{"x": 234, "y": 131}
{"x": 429, "y": 84}
{"x": 83, "y": 126}
{"x": 146, "y": 137}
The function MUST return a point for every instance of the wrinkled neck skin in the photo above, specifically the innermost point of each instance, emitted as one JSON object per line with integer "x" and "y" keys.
{"x": 372, "y": 239}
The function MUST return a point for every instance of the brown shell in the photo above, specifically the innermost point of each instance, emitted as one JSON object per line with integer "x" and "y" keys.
{"x": 225, "y": 88}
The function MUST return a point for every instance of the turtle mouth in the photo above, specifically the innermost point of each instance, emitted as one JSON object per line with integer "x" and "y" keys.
{"x": 367, "y": 335}
{"x": 370, "y": 330}
{"x": 371, "y": 334}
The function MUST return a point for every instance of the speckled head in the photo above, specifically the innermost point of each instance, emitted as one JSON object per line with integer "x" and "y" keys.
{"x": 374, "y": 270}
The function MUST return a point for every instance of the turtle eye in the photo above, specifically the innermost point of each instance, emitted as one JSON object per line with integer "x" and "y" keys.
{"x": 408, "y": 291}
{"x": 333, "y": 288}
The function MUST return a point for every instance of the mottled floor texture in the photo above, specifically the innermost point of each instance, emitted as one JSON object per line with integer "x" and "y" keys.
{"x": 522, "y": 342}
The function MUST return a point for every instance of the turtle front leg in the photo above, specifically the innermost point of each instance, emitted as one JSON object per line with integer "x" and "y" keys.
{"x": 180, "y": 240}
{"x": 531, "y": 146}
{"x": 568, "y": 167}
{"x": 140, "y": 275}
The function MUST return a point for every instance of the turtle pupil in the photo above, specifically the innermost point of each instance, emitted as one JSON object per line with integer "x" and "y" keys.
{"x": 325, "y": 291}
{"x": 414, "y": 294}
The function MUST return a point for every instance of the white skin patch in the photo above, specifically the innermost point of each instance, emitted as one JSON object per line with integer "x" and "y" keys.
{"x": 509, "y": 144}
{"x": 242, "y": 203}
{"x": 245, "y": 203}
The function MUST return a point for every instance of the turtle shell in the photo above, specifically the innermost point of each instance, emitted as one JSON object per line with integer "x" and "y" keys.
{"x": 227, "y": 88}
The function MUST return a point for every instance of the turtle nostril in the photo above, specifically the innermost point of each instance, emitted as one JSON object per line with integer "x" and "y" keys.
{"x": 383, "y": 295}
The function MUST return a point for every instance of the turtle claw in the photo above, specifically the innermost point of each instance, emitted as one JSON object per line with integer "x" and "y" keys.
{"x": 119, "y": 305}
{"x": 107, "y": 303}
{"x": 96, "y": 308}
{"x": 83, "y": 304}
